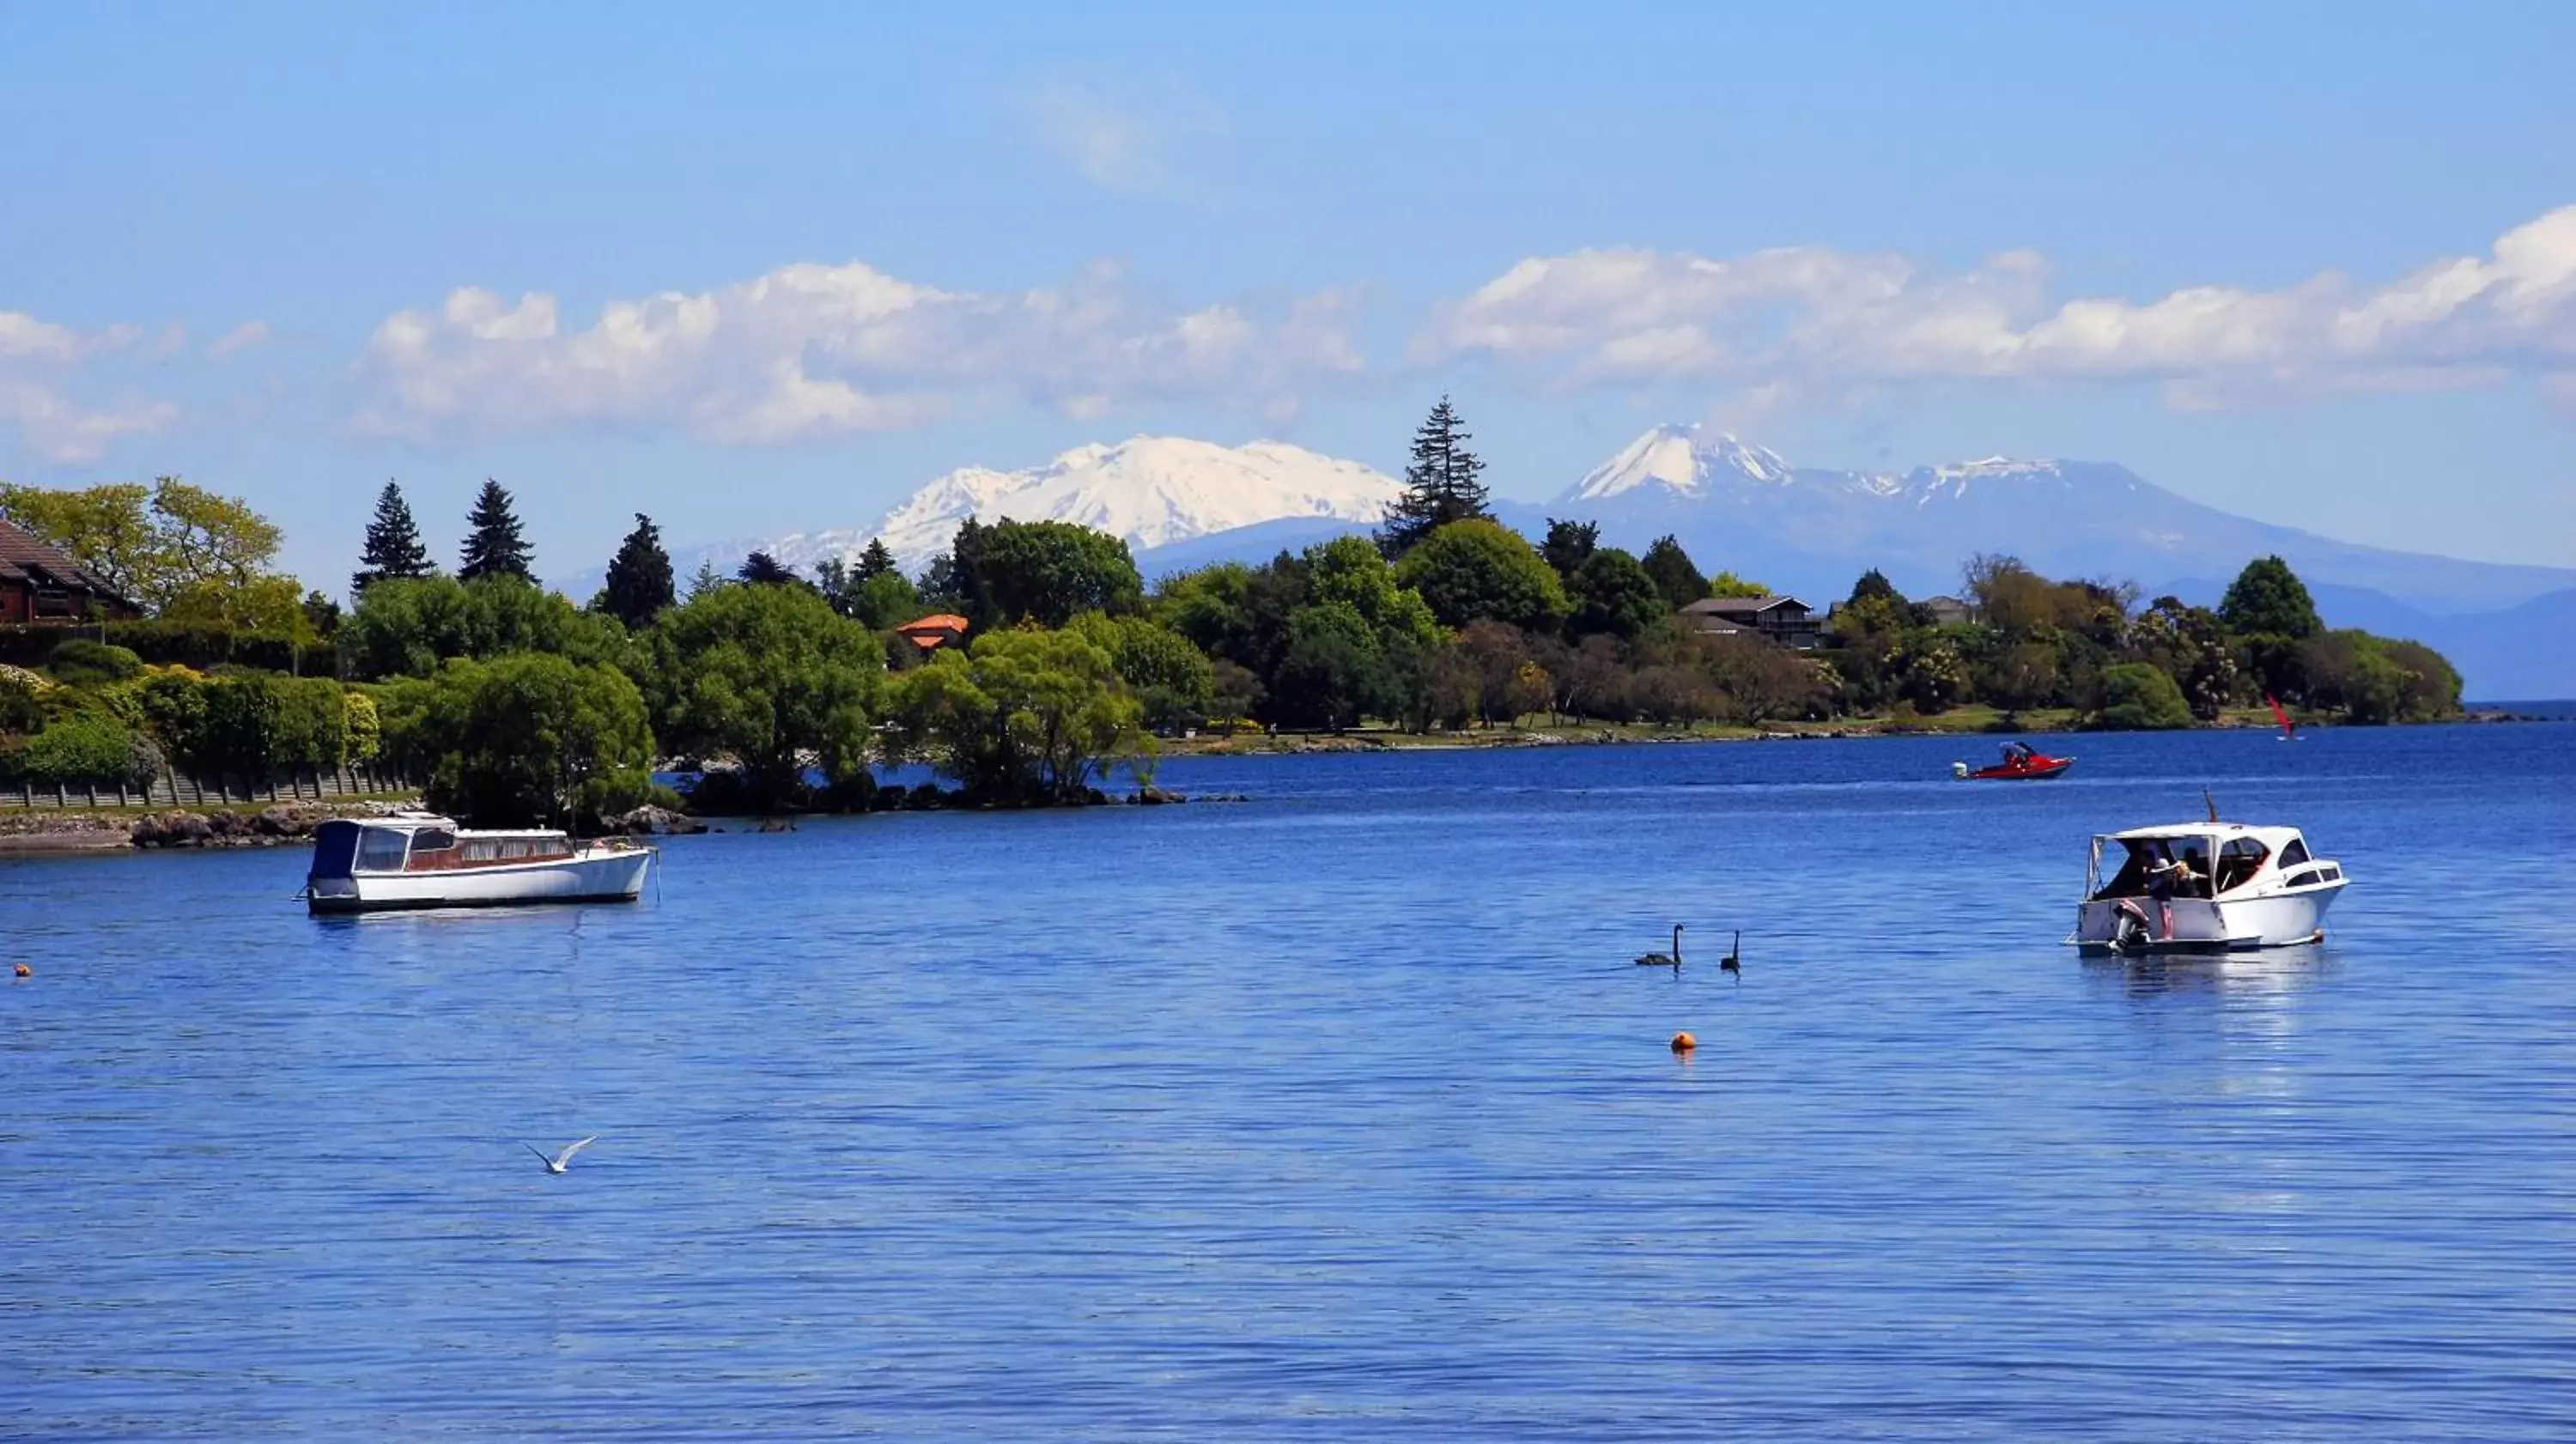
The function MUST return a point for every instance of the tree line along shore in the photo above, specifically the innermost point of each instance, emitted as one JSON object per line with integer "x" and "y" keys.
{"x": 510, "y": 704}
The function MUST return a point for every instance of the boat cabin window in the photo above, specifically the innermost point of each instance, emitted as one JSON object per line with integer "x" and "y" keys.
{"x": 432, "y": 839}
{"x": 2238, "y": 861}
{"x": 2295, "y": 853}
{"x": 2146, "y": 855}
{"x": 380, "y": 849}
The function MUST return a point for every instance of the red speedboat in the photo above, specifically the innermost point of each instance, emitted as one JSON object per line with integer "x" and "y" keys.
{"x": 2020, "y": 764}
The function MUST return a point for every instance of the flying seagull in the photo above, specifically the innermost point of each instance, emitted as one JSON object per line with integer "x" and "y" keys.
{"x": 560, "y": 1161}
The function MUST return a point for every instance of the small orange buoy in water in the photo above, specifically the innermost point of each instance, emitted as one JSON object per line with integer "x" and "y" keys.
{"x": 1684, "y": 1042}
{"x": 25, "y": 972}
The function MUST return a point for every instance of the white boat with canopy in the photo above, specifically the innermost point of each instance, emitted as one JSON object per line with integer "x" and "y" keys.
{"x": 2204, "y": 887}
{"x": 421, "y": 860}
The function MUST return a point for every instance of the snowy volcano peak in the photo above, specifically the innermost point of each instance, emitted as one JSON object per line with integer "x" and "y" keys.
{"x": 1149, "y": 490}
{"x": 1681, "y": 460}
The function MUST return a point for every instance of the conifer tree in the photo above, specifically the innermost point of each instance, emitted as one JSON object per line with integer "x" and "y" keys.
{"x": 706, "y": 580}
{"x": 762, "y": 569}
{"x": 875, "y": 562}
{"x": 639, "y": 577}
{"x": 393, "y": 544}
{"x": 493, "y": 544}
{"x": 1439, "y": 487}
{"x": 1674, "y": 573}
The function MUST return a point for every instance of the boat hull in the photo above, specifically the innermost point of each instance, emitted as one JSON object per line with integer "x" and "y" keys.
{"x": 602, "y": 875}
{"x": 2041, "y": 773}
{"x": 2201, "y": 925}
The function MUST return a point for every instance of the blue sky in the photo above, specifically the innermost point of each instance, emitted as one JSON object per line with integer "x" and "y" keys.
{"x": 2307, "y": 263}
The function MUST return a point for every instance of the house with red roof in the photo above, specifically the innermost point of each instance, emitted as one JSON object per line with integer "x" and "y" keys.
{"x": 40, "y": 585}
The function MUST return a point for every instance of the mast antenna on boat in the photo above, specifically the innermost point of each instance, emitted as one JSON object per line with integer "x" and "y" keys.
{"x": 2209, "y": 802}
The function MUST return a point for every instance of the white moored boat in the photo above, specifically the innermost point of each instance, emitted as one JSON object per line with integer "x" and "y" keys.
{"x": 417, "y": 860}
{"x": 2204, "y": 887}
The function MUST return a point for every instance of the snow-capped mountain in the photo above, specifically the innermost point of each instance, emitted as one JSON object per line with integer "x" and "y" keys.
{"x": 1678, "y": 459}
{"x": 1153, "y": 491}
{"x": 1150, "y": 490}
{"x": 1745, "y": 509}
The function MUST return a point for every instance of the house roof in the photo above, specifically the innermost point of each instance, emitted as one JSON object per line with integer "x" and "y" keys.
{"x": 933, "y": 631}
{"x": 1741, "y": 606}
{"x": 24, "y": 558}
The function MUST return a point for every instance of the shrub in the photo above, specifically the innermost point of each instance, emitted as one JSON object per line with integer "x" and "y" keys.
{"x": 364, "y": 726}
{"x": 83, "y": 662}
{"x": 2137, "y": 697}
{"x": 173, "y": 707}
{"x": 83, "y": 750}
{"x": 619, "y": 791}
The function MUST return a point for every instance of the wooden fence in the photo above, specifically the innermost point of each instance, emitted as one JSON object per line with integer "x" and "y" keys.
{"x": 172, "y": 789}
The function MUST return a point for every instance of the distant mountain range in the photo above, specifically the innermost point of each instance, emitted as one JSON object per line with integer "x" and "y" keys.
{"x": 1745, "y": 509}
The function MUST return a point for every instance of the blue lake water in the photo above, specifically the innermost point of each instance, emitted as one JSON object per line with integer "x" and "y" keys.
{"x": 1339, "y": 1114}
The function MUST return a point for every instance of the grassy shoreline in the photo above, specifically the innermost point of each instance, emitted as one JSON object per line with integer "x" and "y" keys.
{"x": 1969, "y": 721}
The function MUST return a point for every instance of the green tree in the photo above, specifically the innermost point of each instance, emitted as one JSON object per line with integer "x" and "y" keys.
{"x": 1757, "y": 681}
{"x": 1935, "y": 677}
{"x": 1334, "y": 670}
{"x": 494, "y": 546}
{"x": 2137, "y": 697}
{"x": 763, "y": 570}
{"x": 407, "y": 627}
{"x": 158, "y": 546}
{"x": 516, "y": 741}
{"x": 1050, "y": 571}
{"x": 954, "y": 581}
{"x": 706, "y": 579}
{"x": 321, "y": 615}
{"x": 394, "y": 547}
{"x": 1568, "y": 545}
{"x": 879, "y": 598}
{"x": 1173, "y": 681}
{"x": 639, "y": 578}
{"x": 1874, "y": 584}
{"x": 1440, "y": 486}
{"x": 2267, "y": 599}
{"x": 1674, "y": 573}
{"x": 874, "y": 561}
{"x": 1481, "y": 570}
{"x": 107, "y": 529}
{"x": 213, "y": 544}
{"x": 1728, "y": 584}
{"x": 1021, "y": 718}
{"x": 766, "y": 676}
{"x": 1350, "y": 571}
{"x": 1613, "y": 595}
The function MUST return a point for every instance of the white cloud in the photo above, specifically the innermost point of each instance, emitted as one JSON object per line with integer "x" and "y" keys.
{"x": 1128, "y": 136}
{"x": 1824, "y": 321}
{"x": 39, "y": 360}
{"x": 241, "y": 338}
{"x": 812, "y": 351}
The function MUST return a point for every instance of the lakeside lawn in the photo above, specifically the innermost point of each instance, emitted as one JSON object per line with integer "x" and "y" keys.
{"x": 1538, "y": 729}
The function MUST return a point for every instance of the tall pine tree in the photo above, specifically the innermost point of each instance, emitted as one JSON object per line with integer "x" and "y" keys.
{"x": 1439, "y": 487}
{"x": 493, "y": 545}
{"x": 393, "y": 544}
{"x": 639, "y": 577}
{"x": 1675, "y": 574}
{"x": 875, "y": 562}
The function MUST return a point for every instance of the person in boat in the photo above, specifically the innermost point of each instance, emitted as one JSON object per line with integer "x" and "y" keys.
{"x": 2018, "y": 755}
{"x": 2170, "y": 877}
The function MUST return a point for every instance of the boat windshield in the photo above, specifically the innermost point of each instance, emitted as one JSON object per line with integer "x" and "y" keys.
{"x": 2179, "y": 863}
{"x": 380, "y": 849}
{"x": 2238, "y": 861}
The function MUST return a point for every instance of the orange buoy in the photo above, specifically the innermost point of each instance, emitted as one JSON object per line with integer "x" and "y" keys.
{"x": 25, "y": 972}
{"x": 1684, "y": 1042}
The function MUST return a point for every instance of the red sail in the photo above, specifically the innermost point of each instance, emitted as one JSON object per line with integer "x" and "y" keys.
{"x": 2287, "y": 726}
